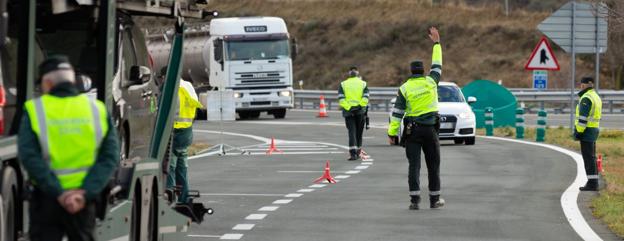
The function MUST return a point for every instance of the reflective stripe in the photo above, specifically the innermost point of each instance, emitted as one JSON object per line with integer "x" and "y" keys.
{"x": 340, "y": 96}
{"x": 520, "y": 124}
{"x": 489, "y": 114}
{"x": 352, "y": 147}
{"x": 489, "y": 122}
{"x": 414, "y": 193}
{"x": 187, "y": 120}
{"x": 582, "y": 124}
{"x": 582, "y": 117}
{"x": 436, "y": 62}
{"x": 398, "y": 111}
{"x": 43, "y": 130}
{"x": 97, "y": 124}
{"x": 70, "y": 171}
{"x": 592, "y": 176}
{"x": 392, "y": 118}
{"x": 434, "y": 193}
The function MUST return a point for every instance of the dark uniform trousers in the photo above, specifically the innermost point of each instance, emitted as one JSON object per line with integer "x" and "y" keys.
{"x": 426, "y": 138}
{"x": 50, "y": 222}
{"x": 355, "y": 125}
{"x": 588, "y": 150}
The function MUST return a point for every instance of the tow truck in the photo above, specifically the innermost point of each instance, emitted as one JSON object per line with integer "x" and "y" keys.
{"x": 135, "y": 206}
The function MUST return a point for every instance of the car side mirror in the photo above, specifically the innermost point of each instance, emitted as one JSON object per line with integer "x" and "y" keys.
{"x": 139, "y": 75}
{"x": 294, "y": 49}
{"x": 83, "y": 83}
{"x": 472, "y": 99}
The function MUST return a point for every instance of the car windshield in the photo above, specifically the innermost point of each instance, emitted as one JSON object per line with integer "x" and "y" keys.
{"x": 450, "y": 94}
{"x": 253, "y": 50}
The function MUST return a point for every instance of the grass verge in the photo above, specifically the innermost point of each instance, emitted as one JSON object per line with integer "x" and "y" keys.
{"x": 609, "y": 205}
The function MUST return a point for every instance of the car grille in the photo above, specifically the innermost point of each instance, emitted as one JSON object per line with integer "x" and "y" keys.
{"x": 260, "y": 78}
{"x": 444, "y": 122}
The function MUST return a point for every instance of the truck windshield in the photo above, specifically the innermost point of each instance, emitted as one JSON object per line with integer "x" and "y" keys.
{"x": 254, "y": 50}
{"x": 450, "y": 94}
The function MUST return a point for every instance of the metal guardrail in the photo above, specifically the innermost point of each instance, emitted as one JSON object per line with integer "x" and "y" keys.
{"x": 380, "y": 99}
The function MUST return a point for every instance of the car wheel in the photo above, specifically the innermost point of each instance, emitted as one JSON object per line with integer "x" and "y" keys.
{"x": 279, "y": 114}
{"x": 470, "y": 140}
{"x": 459, "y": 141}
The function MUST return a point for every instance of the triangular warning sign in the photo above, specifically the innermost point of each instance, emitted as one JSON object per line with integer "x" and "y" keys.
{"x": 542, "y": 57}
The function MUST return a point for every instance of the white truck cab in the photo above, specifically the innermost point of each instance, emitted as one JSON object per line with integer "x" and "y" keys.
{"x": 253, "y": 56}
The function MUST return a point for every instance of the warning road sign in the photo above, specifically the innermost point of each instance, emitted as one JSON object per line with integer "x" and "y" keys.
{"x": 542, "y": 57}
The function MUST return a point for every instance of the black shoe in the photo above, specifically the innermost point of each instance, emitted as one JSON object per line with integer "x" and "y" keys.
{"x": 353, "y": 158}
{"x": 436, "y": 201}
{"x": 589, "y": 187}
{"x": 415, "y": 200}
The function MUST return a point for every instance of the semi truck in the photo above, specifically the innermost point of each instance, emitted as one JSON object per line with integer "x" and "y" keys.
{"x": 250, "y": 56}
{"x": 106, "y": 46}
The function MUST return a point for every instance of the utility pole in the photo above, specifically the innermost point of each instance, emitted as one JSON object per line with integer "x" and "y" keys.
{"x": 507, "y": 8}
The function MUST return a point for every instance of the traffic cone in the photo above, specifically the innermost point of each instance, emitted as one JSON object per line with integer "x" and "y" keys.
{"x": 599, "y": 163}
{"x": 323, "y": 109}
{"x": 273, "y": 148}
{"x": 326, "y": 175}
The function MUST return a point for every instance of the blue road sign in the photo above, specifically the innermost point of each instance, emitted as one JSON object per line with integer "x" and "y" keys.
{"x": 540, "y": 79}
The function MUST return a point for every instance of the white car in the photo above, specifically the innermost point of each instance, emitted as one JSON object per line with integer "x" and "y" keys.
{"x": 457, "y": 121}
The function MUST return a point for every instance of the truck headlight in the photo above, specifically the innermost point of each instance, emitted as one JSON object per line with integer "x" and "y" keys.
{"x": 238, "y": 95}
{"x": 466, "y": 115}
{"x": 285, "y": 93}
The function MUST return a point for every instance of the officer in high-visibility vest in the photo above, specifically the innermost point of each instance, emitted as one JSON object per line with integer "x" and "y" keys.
{"x": 353, "y": 97}
{"x": 182, "y": 138}
{"x": 69, "y": 147}
{"x": 417, "y": 106}
{"x": 587, "y": 124}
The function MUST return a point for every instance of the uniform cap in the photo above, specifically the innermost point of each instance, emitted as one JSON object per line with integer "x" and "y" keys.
{"x": 587, "y": 80}
{"x": 417, "y": 65}
{"x": 53, "y": 63}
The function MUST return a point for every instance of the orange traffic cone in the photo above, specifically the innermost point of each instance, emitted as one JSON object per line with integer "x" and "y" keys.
{"x": 599, "y": 163}
{"x": 323, "y": 109}
{"x": 273, "y": 148}
{"x": 326, "y": 175}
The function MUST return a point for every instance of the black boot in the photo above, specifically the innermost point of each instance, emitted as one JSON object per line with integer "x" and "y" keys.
{"x": 435, "y": 201}
{"x": 591, "y": 185}
{"x": 353, "y": 156}
{"x": 415, "y": 200}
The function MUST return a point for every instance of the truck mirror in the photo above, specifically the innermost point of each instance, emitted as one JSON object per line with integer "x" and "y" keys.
{"x": 139, "y": 75}
{"x": 294, "y": 49}
{"x": 218, "y": 50}
{"x": 83, "y": 83}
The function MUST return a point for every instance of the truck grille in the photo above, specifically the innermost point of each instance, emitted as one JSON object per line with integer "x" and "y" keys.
{"x": 260, "y": 78}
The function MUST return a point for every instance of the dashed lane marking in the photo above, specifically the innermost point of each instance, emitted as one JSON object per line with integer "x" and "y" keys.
{"x": 317, "y": 185}
{"x": 268, "y": 208}
{"x": 256, "y": 216}
{"x": 342, "y": 176}
{"x": 291, "y": 195}
{"x": 282, "y": 201}
{"x": 367, "y": 163}
{"x": 361, "y": 167}
{"x": 352, "y": 172}
{"x": 232, "y": 236}
{"x": 243, "y": 226}
{"x": 204, "y": 236}
{"x": 244, "y": 194}
{"x": 305, "y": 190}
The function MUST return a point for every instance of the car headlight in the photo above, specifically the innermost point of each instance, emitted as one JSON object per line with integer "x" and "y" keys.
{"x": 238, "y": 95}
{"x": 466, "y": 115}
{"x": 285, "y": 93}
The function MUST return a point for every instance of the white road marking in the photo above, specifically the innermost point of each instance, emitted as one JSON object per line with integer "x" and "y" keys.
{"x": 256, "y": 216}
{"x": 122, "y": 238}
{"x": 282, "y": 201}
{"x": 352, "y": 172}
{"x": 342, "y": 176}
{"x": 295, "y": 149}
{"x": 243, "y": 226}
{"x": 294, "y": 153}
{"x": 317, "y": 186}
{"x": 368, "y": 160}
{"x": 291, "y": 195}
{"x": 243, "y": 194}
{"x": 268, "y": 208}
{"x": 570, "y": 195}
{"x": 284, "y": 171}
{"x": 305, "y": 190}
{"x": 167, "y": 229}
{"x": 203, "y": 236}
{"x": 367, "y": 163}
{"x": 232, "y": 236}
{"x": 361, "y": 167}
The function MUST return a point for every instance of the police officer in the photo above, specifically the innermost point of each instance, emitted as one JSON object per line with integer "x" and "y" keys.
{"x": 417, "y": 105}
{"x": 353, "y": 96}
{"x": 588, "y": 114}
{"x": 182, "y": 138}
{"x": 69, "y": 148}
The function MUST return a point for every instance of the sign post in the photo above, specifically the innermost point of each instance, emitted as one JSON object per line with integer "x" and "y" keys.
{"x": 578, "y": 28}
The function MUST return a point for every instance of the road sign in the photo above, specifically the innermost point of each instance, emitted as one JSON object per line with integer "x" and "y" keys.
{"x": 589, "y": 23}
{"x": 540, "y": 79}
{"x": 542, "y": 57}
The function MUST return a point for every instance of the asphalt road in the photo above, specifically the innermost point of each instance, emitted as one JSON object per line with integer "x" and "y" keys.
{"x": 494, "y": 190}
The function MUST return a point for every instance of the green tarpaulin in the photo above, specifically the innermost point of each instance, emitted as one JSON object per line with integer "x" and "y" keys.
{"x": 491, "y": 94}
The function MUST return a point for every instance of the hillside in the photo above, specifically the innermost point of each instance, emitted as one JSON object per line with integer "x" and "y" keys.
{"x": 383, "y": 36}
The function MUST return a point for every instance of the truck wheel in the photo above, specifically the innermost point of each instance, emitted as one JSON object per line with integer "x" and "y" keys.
{"x": 459, "y": 141}
{"x": 470, "y": 140}
{"x": 254, "y": 114}
{"x": 243, "y": 115}
{"x": 279, "y": 114}
{"x": 8, "y": 219}
{"x": 135, "y": 225}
